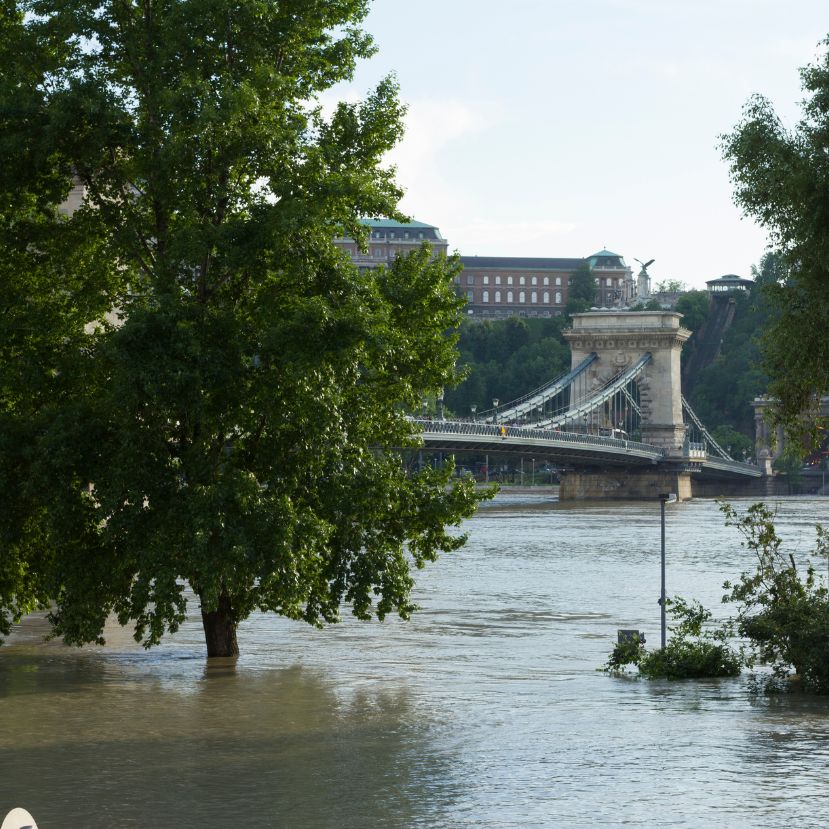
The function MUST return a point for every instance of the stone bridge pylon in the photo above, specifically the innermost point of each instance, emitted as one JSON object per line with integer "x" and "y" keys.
{"x": 620, "y": 339}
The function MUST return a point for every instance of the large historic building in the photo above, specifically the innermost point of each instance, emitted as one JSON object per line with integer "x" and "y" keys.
{"x": 502, "y": 286}
{"x": 388, "y": 238}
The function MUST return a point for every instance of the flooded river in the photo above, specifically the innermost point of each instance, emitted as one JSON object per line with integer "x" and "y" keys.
{"x": 485, "y": 710}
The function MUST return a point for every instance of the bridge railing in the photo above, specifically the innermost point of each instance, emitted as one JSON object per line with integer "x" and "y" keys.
{"x": 457, "y": 427}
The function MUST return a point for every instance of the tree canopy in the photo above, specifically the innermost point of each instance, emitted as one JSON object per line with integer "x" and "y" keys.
{"x": 232, "y": 425}
{"x": 779, "y": 177}
{"x": 581, "y": 291}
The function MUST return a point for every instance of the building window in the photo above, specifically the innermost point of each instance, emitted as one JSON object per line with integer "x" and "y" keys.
{"x": 546, "y": 297}
{"x": 470, "y": 279}
{"x": 486, "y": 280}
{"x": 522, "y": 281}
{"x": 534, "y": 297}
{"x": 420, "y": 234}
{"x": 558, "y": 297}
{"x": 470, "y": 296}
{"x": 509, "y": 296}
{"x": 485, "y": 297}
{"x": 406, "y": 234}
{"x": 497, "y": 280}
{"x": 558, "y": 280}
{"x": 609, "y": 282}
{"x": 546, "y": 280}
{"x": 509, "y": 280}
{"x": 535, "y": 280}
{"x": 497, "y": 296}
{"x": 457, "y": 280}
{"x": 391, "y": 235}
{"x": 522, "y": 297}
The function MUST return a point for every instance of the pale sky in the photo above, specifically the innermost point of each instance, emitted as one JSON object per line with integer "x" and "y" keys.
{"x": 556, "y": 128}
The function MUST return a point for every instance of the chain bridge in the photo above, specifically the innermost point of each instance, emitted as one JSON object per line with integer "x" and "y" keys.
{"x": 616, "y": 424}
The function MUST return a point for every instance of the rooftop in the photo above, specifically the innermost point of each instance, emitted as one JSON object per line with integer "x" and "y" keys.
{"x": 528, "y": 263}
{"x": 393, "y": 223}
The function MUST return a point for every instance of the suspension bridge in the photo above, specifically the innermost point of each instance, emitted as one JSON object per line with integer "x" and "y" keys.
{"x": 616, "y": 423}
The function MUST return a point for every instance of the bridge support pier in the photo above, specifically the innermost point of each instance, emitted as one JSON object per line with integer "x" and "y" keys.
{"x": 623, "y": 484}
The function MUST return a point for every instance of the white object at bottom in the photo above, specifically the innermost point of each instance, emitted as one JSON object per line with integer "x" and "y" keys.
{"x": 18, "y": 819}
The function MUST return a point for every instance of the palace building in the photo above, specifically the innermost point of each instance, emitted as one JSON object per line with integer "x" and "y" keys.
{"x": 500, "y": 286}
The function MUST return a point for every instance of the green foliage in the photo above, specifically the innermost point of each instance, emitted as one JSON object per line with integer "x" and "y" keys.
{"x": 670, "y": 286}
{"x": 784, "y": 615}
{"x": 624, "y": 653}
{"x": 236, "y": 429}
{"x": 693, "y": 651}
{"x": 506, "y": 358}
{"x": 722, "y": 392}
{"x": 581, "y": 291}
{"x": 779, "y": 177}
{"x": 650, "y": 305}
{"x": 694, "y": 307}
{"x": 734, "y": 442}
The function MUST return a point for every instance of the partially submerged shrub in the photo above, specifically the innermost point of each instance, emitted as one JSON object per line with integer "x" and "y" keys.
{"x": 692, "y": 652}
{"x": 782, "y": 614}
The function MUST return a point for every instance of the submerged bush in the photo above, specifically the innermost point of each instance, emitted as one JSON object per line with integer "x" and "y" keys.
{"x": 783, "y": 615}
{"x": 692, "y": 652}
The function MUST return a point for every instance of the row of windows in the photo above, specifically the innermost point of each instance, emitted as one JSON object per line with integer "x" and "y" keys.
{"x": 522, "y": 280}
{"x": 378, "y": 235}
{"x": 522, "y": 297}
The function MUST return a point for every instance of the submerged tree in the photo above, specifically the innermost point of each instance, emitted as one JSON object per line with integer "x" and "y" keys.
{"x": 233, "y": 429}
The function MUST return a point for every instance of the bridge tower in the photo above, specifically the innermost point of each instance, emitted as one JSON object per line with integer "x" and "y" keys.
{"x": 620, "y": 339}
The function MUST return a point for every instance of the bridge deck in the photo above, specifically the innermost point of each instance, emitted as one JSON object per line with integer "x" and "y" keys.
{"x": 567, "y": 448}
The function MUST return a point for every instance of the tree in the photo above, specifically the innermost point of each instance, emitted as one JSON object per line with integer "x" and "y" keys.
{"x": 694, "y": 307}
{"x": 234, "y": 429}
{"x": 779, "y": 177}
{"x": 783, "y": 615}
{"x": 670, "y": 286}
{"x": 581, "y": 293}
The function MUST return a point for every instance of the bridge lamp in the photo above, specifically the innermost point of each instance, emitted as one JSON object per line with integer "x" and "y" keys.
{"x": 495, "y": 402}
{"x": 473, "y": 408}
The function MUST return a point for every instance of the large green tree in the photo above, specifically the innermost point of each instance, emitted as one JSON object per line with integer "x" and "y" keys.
{"x": 232, "y": 426}
{"x": 781, "y": 179}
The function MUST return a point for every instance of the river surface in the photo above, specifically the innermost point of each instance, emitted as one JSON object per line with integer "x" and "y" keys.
{"x": 485, "y": 710}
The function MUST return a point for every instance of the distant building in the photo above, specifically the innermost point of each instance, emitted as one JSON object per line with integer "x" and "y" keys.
{"x": 388, "y": 238}
{"x": 729, "y": 283}
{"x": 506, "y": 286}
{"x": 499, "y": 286}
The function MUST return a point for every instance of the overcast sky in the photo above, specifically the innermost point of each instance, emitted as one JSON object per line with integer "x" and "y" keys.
{"x": 553, "y": 128}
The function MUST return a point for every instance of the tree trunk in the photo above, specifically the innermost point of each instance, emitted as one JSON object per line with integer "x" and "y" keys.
{"x": 220, "y": 629}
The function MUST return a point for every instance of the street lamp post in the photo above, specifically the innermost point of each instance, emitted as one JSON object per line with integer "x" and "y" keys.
{"x": 495, "y": 402}
{"x": 663, "y": 499}
{"x": 473, "y": 408}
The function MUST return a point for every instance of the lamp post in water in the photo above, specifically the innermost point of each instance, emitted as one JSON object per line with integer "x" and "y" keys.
{"x": 663, "y": 499}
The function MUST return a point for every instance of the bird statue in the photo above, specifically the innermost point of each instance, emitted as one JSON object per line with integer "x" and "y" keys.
{"x": 644, "y": 264}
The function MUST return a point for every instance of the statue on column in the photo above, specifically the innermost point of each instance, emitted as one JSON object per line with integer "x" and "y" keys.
{"x": 643, "y": 280}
